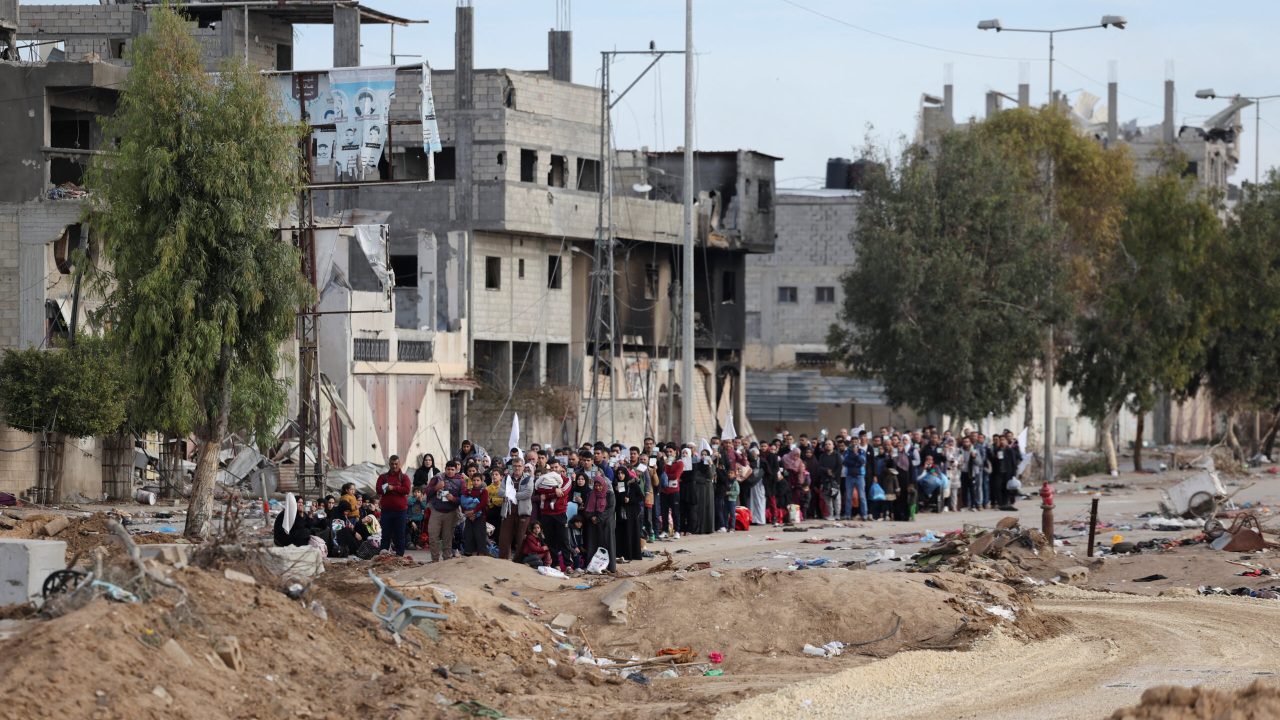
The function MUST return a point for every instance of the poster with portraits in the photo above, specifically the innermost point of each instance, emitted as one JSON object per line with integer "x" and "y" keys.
{"x": 361, "y": 104}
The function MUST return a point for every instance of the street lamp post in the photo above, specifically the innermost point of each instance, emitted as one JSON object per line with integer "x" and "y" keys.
{"x": 1107, "y": 21}
{"x": 1257, "y": 123}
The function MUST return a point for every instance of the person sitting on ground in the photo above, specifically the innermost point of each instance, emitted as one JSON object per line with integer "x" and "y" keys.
{"x": 295, "y": 531}
{"x": 535, "y": 553}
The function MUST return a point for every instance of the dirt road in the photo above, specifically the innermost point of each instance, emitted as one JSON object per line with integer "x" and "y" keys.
{"x": 1119, "y": 646}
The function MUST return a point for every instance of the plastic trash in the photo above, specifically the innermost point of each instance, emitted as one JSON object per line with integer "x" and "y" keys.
{"x": 599, "y": 561}
{"x": 713, "y": 673}
{"x": 537, "y": 648}
{"x": 668, "y": 673}
{"x": 1002, "y": 612}
{"x": 814, "y": 650}
{"x": 715, "y": 658}
{"x": 552, "y": 572}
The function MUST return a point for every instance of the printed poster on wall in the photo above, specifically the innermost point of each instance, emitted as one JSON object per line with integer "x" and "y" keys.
{"x": 430, "y": 130}
{"x": 361, "y": 111}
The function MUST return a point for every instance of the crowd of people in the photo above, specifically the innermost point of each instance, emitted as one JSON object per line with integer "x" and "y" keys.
{"x": 599, "y": 505}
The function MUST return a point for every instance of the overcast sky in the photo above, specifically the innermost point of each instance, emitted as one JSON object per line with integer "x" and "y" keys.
{"x": 779, "y": 77}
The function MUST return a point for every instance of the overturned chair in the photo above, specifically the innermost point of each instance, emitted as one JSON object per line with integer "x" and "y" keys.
{"x": 398, "y": 612}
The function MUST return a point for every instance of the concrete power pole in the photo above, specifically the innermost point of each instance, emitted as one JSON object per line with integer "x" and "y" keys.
{"x": 686, "y": 283}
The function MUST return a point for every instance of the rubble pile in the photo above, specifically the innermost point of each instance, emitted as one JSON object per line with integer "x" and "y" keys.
{"x": 1258, "y": 701}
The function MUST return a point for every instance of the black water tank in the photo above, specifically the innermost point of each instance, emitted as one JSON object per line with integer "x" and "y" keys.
{"x": 838, "y": 173}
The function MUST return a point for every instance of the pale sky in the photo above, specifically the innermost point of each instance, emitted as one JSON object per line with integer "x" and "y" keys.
{"x": 776, "y": 76}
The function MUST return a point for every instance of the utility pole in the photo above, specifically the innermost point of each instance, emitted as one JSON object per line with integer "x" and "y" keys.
{"x": 602, "y": 258}
{"x": 686, "y": 282}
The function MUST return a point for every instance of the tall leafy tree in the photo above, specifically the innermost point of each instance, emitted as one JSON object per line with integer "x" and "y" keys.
{"x": 201, "y": 292}
{"x": 1148, "y": 328}
{"x": 944, "y": 302}
{"x": 1242, "y": 369}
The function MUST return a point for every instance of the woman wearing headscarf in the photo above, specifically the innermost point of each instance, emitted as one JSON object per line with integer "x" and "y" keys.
{"x": 755, "y": 486}
{"x": 598, "y": 519}
{"x": 815, "y": 501}
{"x": 797, "y": 480}
{"x": 688, "y": 491}
{"x": 630, "y": 508}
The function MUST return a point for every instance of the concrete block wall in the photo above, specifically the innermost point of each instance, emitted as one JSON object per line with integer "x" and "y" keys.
{"x": 10, "y": 279}
{"x": 522, "y": 310}
{"x": 813, "y": 249}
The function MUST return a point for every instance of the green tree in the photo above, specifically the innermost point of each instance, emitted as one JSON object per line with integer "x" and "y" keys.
{"x": 201, "y": 291}
{"x": 1242, "y": 368}
{"x": 1148, "y": 327}
{"x": 77, "y": 391}
{"x": 943, "y": 302}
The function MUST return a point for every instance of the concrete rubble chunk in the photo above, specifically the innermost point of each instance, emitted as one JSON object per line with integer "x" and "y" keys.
{"x": 228, "y": 650}
{"x": 237, "y": 576}
{"x": 56, "y": 525}
{"x": 24, "y": 564}
{"x": 298, "y": 563}
{"x": 616, "y": 602}
{"x": 173, "y": 554}
{"x": 163, "y": 694}
{"x": 1074, "y": 574}
{"x": 563, "y": 621}
{"x": 176, "y": 654}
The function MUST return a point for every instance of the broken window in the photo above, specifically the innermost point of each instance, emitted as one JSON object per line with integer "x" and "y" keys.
{"x": 524, "y": 365}
{"x": 824, "y": 295}
{"x": 405, "y": 268}
{"x": 787, "y": 295}
{"x": 764, "y": 198}
{"x": 557, "y": 364}
{"x": 520, "y": 268}
{"x": 284, "y": 57}
{"x": 588, "y": 174}
{"x": 493, "y": 273}
{"x": 729, "y": 287}
{"x": 446, "y": 164}
{"x": 555, "y": 176}
{"x": 71, "y": 130}
{"x": 812, "y": 359}
{"x": 528, "y": 166}
{"x": 553, "y": 272}
{"x": 650, "y": 282}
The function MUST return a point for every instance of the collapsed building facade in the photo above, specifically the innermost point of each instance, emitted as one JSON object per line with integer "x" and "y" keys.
{"x": 483, "y": 299}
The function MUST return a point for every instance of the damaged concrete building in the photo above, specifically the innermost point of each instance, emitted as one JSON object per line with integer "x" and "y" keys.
{"x": 496, "y": 306}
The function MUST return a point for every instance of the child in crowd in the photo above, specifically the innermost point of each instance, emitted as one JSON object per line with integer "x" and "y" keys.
{"x": 577, "y": 544}
{"x": 417, "y": 516}
{"x": 475, "y": 499}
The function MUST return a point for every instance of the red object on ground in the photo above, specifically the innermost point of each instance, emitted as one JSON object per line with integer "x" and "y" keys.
{"x": 1046, "y": 494}
{"x": 715, "y": 658}
{"x": 742, "y": 519}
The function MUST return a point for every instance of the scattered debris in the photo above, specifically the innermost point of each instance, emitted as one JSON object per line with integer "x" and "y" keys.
{"x": 237, "y": 576}
{"x": 616, "y": 601}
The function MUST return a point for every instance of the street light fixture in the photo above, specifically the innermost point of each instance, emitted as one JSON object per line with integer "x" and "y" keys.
{"x": 1210, "y": 94}
{"x": 1118, "y": 22}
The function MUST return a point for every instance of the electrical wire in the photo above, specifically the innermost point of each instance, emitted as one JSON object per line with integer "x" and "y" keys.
{"x": 905, "y": 41}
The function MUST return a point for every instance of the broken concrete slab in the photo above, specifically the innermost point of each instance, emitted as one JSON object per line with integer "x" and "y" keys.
{"x": 24, "y": 564}
{"x": 616, "y": 601}
{"x": 56, "y": 525}
{"x": 177, "y": 555}
{"x": 563, "y": 621}
{"x": 228, "y": 650}
{"x": 293, "y": 562}
{"x": 237, "y": 576}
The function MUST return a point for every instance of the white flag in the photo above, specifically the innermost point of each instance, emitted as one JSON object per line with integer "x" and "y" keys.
{"x": 1026, "y": 456}
{"x": 728, "y": 433}
{"x": 514, "y": 440}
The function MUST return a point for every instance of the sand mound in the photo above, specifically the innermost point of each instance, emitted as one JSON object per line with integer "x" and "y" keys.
{"x": 1258, "y": 701}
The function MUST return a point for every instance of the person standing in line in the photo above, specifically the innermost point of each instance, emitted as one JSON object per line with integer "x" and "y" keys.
{"x": 515, "y": 515}
{"x": 426, "y": 471}
{"x": 393, "y": 488}
{"x": 552, "y": 491}
{"x": 669, "y": 472}
{"x": 445, "y": 493}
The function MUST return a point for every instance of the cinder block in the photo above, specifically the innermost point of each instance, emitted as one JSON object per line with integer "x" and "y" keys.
{"x": 24, "y": 564}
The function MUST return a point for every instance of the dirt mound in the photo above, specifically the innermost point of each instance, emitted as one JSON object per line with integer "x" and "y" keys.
{"x": 82, "y": 534}
{"x": 1258, "y": 701}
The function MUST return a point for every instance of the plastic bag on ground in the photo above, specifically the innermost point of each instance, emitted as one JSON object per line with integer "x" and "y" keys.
{"x": 599, "y": 561}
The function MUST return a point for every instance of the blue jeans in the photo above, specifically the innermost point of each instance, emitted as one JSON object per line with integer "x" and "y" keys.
{"x": 982, "y": 489}
{"x": 846, "y": 497}
{"x": 393, "y": 524}
{"x": 727, "y": 513}
{"x": 863, "y": 505}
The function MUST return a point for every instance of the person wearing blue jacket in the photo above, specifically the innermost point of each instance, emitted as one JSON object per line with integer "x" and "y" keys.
{"x": 855, "y": 465}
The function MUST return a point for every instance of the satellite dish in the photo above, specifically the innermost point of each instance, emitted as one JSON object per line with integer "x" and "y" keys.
{"x": 642, "y": 188}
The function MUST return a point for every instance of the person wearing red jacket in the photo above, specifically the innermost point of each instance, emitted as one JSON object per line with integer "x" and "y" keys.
{"x": 552, "y": 490}
{"x": 534, "y": 552}
{"x": 393, "y": 487}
